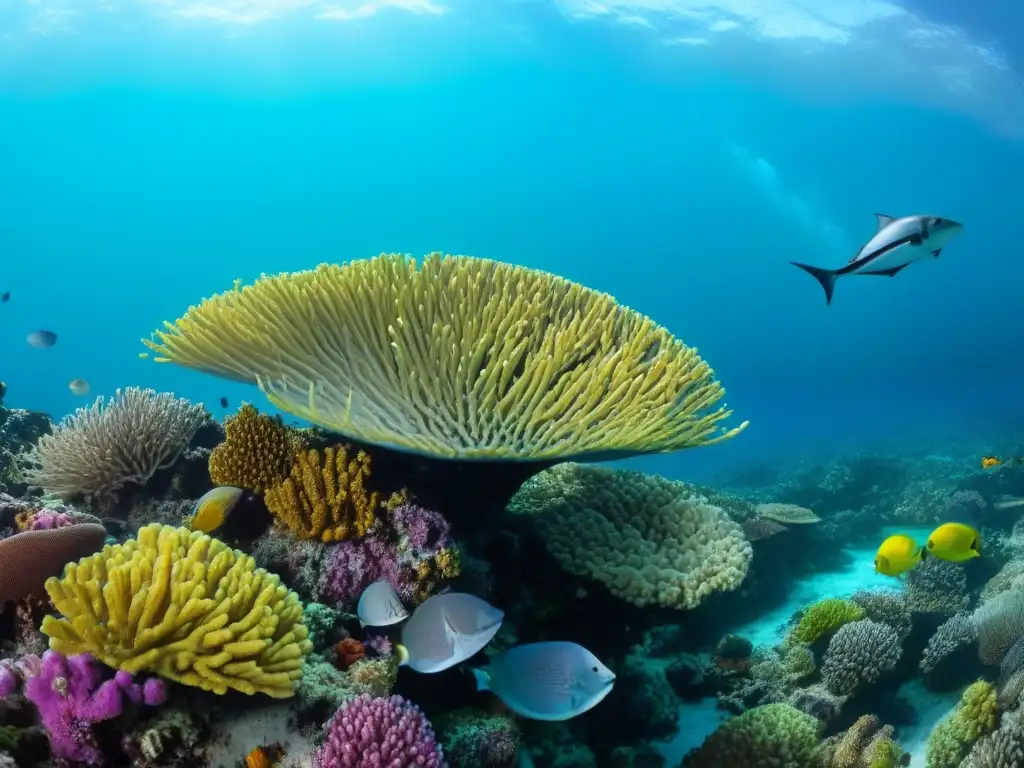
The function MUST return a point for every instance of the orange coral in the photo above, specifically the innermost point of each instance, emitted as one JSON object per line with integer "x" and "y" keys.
{"x": 258, "y": 451}
{"x": 349, "y": 651}
{"x": 325, "y": 499}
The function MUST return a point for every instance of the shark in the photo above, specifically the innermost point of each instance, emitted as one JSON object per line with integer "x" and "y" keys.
{"x": 897, "y": 243}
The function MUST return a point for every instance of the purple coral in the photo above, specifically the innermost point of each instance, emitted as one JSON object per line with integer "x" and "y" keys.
{"x": 421, "y": 528}
{"x": 71, "y": 698}
{"x": 370, "y": 732}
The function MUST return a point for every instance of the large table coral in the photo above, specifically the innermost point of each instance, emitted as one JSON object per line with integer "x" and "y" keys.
{"x": 644, "y": 537}
{"x": 456, "y": 357}
{"x": 185, "y": 606}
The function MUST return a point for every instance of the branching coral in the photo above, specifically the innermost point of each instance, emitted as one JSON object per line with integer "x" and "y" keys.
{"x": 1003, "y": 748}
{"x": 185, "y": 606}
{"x": 771, "y": 736}
{"x": 324, "y": 497}
{"x": 258, "y": 451}
{"x": 98, "y": 449}
{"x": 642, "y": 537}
{"x": 866, "y": 744}
{"x": 975, "y": 715}
{"x": 887, "y": 608}
{"x": 370, "y": 732}
{"x": 951, "y": 636}
{"x": 860, "y": 652}
{"x": 936, "y": 586}
{"x": 825, "y": 617}
{"x": 456, "y": 357}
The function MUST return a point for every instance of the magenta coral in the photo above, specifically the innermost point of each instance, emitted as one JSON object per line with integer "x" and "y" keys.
{"x": 71, "y": 697}
{"x": 370, "y": 732}
{"x": 421, "y": 528}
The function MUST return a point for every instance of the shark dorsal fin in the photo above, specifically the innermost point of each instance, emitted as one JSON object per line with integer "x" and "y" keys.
{"x": 884, "y": 221}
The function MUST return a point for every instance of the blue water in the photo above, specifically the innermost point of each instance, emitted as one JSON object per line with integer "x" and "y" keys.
{"x": 152, "y": 152}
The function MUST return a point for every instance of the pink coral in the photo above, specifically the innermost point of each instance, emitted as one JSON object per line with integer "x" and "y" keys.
{"x": 370, "y": 732}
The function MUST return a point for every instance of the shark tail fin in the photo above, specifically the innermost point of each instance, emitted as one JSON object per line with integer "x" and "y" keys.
{"x": 826, "y": 277}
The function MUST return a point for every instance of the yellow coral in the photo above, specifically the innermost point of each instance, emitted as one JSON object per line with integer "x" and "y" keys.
{"x": 975, "y": 715}
{"x": 824, "y": 618}
{"x": 325, "y": 499}
{"x": 184, "y": 606}
{"x": 257, "y": 452}
{"x": 456, "y": 357}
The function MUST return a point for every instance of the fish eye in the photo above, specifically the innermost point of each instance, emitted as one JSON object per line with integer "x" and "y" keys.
{"x": 593, "y": 669}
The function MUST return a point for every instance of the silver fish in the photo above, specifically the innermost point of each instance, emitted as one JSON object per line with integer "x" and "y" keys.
{"x": 41, "y": 339}
{"x": 447, "y": 629}
{"x": 380, "y": 606}
{"x": 897, "y": 243}
{"x": 550, "y": 681}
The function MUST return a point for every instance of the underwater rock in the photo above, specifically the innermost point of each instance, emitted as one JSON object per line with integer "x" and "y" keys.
{"x": 19, "y": 431}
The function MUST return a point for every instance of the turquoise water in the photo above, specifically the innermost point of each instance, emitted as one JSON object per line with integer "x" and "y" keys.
{"x": 153, "y": 152}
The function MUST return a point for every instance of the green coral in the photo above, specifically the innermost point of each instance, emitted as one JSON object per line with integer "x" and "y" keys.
{"x": 320, "y": 620}
{"x": 473, "y": 739}
{"x": 883, "y": 753}
{"x": 825, "y": 617}
{"x": 769, "y": 736}
{"x": 975, "y": 715}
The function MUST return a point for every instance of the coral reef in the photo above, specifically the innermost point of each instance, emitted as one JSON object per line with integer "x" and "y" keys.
{"x": 824, "y": 618}
{"x": 770, "y": 736}
{"x": 456, "y": 357}
{"x": 258, "y": 451}
{"x": 185, "y": 606}
{"x": 637, "y": 534}
{"x": 860, "y": 653}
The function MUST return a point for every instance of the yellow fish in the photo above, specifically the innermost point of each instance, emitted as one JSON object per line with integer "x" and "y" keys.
{"x": 213, "y": 508}
{"x": 954, "y": 543}
{"x": 897, "y": 555}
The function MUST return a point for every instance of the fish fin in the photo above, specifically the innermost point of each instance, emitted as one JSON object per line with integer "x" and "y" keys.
{"x": 884, "y": 221}
{"x": 885, "y": 272}
{"x": 826, "y": 277}
{"x": 936, "y": 252}
{"x": 483, "y": 680}
{"x": 403, "y": 655}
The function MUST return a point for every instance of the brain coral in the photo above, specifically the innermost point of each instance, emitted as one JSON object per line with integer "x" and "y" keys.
{"x": 770, "y": 736}
{"x": 860, "y": 652}
{"x": 456, "y": 357}
{"x": 642, "y": 536}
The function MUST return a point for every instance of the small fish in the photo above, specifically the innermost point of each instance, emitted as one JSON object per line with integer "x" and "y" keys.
{"x": 549, "y": 681}
{"x": 897, "y": 243}
{"x": 79, "y": 387}
{"x": 143, "y": 355}
{"x": 987, "y": 462}
{"x": 266, "y": 756}
{"x": 41, "y": 339}
{"x": 223, "y": 402}
{"x": 445, "y": 630}
{"x": 380, "y": 606}
{"x": 1008, "y": 502}
{"x": 954, "y": 543}
{"x": 213, "y": 507}
{"x": 897, "y": 555}
{"x": 5, "y": 297}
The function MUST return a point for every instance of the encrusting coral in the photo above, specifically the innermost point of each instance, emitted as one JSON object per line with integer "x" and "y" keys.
{"x": 644, "y": 537}
{"x": 456, "y": 357}
{"x": 324, "y": 497}
{"x": 258, "y": 451}
{"x": 185, "y": 606}
{"x": 825, "y": 617}
{"x": 98, "y": 449}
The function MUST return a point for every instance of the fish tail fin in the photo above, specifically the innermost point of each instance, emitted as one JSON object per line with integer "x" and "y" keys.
{"x": 483, "y": 680}
{"x": 403, "y": 654}
{"x": 825, "y": 277}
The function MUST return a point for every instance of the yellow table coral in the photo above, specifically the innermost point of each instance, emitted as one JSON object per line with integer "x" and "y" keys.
{"x": 185, "y": 606}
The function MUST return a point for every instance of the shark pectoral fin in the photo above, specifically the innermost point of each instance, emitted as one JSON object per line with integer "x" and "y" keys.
{"x": 884, "y": 221}
{"x": 885, "y": 272}
{"x": 936, "y": 252}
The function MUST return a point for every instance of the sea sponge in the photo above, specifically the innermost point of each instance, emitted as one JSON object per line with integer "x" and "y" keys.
{"x": 258, "y": 451}
{"x": 825, "y": 617}
{"x": 185, "y": 606}
{"x": 325, "y": 497}
{"x": 769, "y": 736}
{"x": 456, "y": 357}
{"x": 976, "y": 715}
{"x": 860, "y": 652}
{"x": 642, "y": 536}
{"x": 98, "y": 449}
